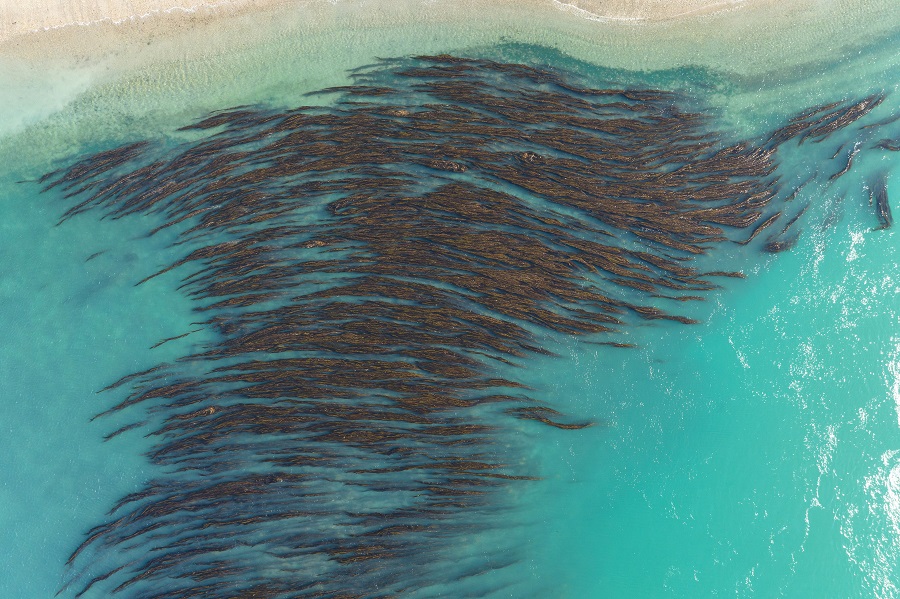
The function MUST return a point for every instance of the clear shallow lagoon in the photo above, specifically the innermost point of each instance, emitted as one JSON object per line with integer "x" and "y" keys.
{"x": 753, "y": 455}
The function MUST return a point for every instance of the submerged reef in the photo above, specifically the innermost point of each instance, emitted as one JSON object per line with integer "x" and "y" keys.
{"x": 374, "y": 272}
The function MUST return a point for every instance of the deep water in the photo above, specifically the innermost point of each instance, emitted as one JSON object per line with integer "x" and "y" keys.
{"x": 753, "y": 454}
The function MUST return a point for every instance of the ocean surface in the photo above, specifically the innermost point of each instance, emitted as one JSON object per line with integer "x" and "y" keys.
{"x": 755, "y": 453}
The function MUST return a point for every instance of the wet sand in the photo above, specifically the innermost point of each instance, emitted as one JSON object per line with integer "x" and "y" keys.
{"x": 34, "y": 16}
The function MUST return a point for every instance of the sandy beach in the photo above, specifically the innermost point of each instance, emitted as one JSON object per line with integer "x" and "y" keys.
{"x": 36, "y": 16}
{"x": 30, "y": 16}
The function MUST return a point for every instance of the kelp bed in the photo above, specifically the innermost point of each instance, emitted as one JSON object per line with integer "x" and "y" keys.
{"x": 374, "y": 271}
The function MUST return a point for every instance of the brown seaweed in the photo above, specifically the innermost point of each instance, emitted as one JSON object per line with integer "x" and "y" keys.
{"x": 372, "y": 273}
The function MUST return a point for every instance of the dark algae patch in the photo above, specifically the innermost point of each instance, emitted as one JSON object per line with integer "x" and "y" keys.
{"x": 375, "y": 272}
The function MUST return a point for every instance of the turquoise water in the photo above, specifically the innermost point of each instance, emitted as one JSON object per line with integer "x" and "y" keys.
{"x": 69, "y": 326}
{"x": 754, "y": 457}
{"x": 756, "y": 454}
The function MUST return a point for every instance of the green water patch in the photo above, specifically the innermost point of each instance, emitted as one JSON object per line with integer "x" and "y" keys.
{"x": 751, "y": 456}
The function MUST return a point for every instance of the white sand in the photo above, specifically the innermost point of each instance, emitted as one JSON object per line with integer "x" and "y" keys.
{"x": 18, "y": 17}
{"x": 646, "y": 10}
{"x": 28, "y": 16}
{"x": 22, "y": 17}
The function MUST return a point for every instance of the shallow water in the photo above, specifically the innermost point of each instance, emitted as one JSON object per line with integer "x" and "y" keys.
{"x": 756, "y": 454}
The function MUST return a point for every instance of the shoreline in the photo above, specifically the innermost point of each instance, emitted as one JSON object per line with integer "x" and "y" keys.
{"x": 701, "y": 31}
{"x": 202, "y": 58}
{"x": 34, "y": 17}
